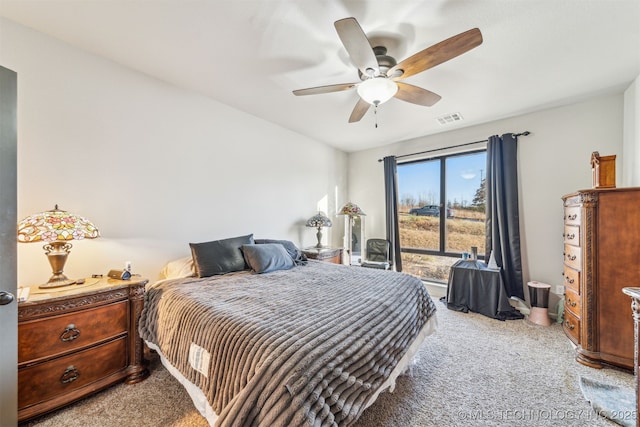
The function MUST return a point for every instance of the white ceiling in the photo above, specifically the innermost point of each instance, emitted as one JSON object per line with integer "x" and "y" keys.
{"x": 250, "y": 54}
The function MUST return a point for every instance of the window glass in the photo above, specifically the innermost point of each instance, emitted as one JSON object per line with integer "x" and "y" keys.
{"x": 465, "y": 184}
{"x": 441, "y": 211}
{"x": 419, "y": 200}
{"x": 431, "y": 267}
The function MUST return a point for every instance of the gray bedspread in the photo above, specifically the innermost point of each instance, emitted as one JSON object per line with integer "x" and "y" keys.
{"x": 302, "y": 347}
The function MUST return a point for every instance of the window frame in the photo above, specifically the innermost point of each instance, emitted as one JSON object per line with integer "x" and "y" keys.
{"x": 442, "y": 204}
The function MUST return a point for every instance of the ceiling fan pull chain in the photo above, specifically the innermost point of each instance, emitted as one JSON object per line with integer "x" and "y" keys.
{"x": 375, "y": 114}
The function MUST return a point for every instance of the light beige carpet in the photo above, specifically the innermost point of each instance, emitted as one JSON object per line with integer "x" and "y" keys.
{"x": 474, "y": 371}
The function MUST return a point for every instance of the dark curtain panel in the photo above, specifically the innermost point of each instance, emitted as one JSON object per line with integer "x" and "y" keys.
{"x": 503, "y": 221}
{"x": 391, "y": 203}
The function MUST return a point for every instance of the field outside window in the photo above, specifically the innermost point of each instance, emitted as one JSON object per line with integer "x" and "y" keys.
{"x": 441, "y": 212}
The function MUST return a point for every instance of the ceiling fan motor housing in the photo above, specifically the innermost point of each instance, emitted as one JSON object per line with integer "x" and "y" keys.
{"x": 385, "y": 62}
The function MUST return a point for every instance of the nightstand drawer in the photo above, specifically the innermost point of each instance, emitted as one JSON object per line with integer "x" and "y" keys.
{"x": 571, "y": 326}
{"x": 572, "y": 302}
{"x": 44, "y": 381}
{"x": 332, "y": 255}
{"x": 572, "y": 279}
{"x": 55, "y": 335}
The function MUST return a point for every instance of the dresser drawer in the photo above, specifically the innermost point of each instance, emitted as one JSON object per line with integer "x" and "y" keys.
{"x": 572, "y": 215}
{"x": 572, "y": 235}
{"x": 572, "y": 279}
{"x": 572, "y": 257}
{"x": 571, "y": 326}
{"x": 58, "y": 334}
{"x": 572, "y": 302}
{"x": 44, "y": 381}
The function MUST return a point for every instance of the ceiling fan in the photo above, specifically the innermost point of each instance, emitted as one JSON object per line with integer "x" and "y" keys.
{"x": 380, "y": 74}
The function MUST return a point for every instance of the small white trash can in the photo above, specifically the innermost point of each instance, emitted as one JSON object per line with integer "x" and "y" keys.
{"x": 539, "y": 299}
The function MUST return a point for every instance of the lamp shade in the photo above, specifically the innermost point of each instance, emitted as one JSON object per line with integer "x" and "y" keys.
{"x": 377, "y": 90}
{"x": 319, "y": 220}
{"x": 55, "y": 225}
{"x": 351, "y": 209}
{"x": 56, "y": 228}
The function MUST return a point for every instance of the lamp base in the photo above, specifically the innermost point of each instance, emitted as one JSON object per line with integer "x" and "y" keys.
{"x": 57, "y": 253}
{"x": 319, "y": 237}
{"x": 57, "y": 284}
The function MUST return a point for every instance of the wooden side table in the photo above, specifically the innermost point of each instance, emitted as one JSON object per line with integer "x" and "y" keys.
{"x": 77, "y": 340}
{"x": 333, "y": 255}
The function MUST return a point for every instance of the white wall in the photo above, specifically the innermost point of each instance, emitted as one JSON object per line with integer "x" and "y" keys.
{"x": 554, "y": 160}
{"x": 631, "y": 159}
{"x": 153, "y": 166}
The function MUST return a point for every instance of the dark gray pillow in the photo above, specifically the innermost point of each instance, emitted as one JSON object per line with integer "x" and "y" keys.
{"x": 267, "y": 257}
{"x": 220, "y": 256}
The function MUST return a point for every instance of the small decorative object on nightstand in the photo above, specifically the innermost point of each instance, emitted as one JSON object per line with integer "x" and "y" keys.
{"x": 333, "y": 255}
{"x": 319, "y": 220}
{"x": 56, "y": 228}
{"x": 77, "y": 340}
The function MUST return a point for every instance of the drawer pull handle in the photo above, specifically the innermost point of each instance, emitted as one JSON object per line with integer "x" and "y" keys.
{"x": 70, "y": 375}
{"x": 571, "y": 303}
{"x": 70, "y": 333}
{"x": 569, "y": 325}
{"x": 571, "y": 236}
{"x": 571, "y": 257}
{"x": 572, "y": 217}
{"x": 568, "y": 279}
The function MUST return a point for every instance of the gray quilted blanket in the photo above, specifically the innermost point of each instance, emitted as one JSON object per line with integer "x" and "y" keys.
{"x": 302, "y": 347}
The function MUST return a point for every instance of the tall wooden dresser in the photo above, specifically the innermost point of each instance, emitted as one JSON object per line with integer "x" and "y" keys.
{"x": 601, "y": 256}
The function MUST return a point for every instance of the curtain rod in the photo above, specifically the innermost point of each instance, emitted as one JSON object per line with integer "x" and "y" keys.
{"x": 525, "y": 133}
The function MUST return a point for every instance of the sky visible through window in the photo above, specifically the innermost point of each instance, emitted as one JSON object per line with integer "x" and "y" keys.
{"x": 464, "y": 175}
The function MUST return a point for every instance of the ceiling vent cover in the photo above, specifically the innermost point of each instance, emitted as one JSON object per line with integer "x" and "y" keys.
{"x": 450, "y": 118}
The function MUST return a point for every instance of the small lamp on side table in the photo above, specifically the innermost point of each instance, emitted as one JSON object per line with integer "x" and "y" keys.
{"x": 56, "y": 228}
{"x": 319, "y": 220}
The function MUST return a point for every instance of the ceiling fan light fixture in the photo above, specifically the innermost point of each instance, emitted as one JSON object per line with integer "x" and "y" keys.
{"x": 377, "y": 90}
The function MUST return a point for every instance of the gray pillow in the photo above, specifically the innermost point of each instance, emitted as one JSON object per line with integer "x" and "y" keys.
{"x": 220, "y": 256}
{"x": 292, "y": 249}
{"x": 267, "y": 257}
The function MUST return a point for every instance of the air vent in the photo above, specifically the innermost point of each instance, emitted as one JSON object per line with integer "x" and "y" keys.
{"x": 450, "y": 118}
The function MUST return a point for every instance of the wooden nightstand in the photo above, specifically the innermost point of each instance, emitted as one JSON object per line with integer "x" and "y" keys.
{"x": 333, "y": 255}
{"x": 76, "y": 340}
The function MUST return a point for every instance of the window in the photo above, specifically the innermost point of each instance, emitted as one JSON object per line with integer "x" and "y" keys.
{"x": 441, "y": 212}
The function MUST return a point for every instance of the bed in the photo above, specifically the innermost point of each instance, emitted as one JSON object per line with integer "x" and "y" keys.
{"x": 295, "y": 343}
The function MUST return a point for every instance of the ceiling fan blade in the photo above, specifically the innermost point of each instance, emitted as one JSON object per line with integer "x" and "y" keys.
{"x": 357, "y": 45}
{"x": 416, "y": 95}
{"x": 359, "y": 110}
{"x": 325, "y": 89}
{"x": 438, "y": 53}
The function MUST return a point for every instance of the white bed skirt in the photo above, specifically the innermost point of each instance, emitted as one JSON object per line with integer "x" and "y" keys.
{"x": 202, "y": 405}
